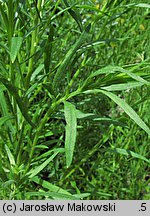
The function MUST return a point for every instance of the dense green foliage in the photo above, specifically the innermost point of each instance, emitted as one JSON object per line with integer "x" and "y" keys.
{"x": 74, "y": 99}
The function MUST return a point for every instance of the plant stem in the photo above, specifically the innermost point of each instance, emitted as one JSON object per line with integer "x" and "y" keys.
{"x": 93, "y": 150}
{"x": 75, "y": 76}
{"x": 45, "y": 119}
{"x": 34, "y": 43}
{"x": 40, "y": 128}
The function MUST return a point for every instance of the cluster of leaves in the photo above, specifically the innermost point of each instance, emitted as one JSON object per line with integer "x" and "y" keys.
{"x": 74, "y": 99}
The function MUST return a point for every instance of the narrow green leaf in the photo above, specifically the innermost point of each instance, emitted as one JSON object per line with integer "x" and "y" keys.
{"x": 82, "y": 195}
{"x": 3, "y": 175}
{"x": 49, "y": 186}
{"x": 102, "y": 194}
{"x": 59, "y": 13}
{"x": 114, "y": 69}
{"x": 61, "y": 70}
{"x": 8, "y": 183}
{"x": 120, "y": 73}
{"x": 47, "y": 153}
{"x": 92, "y": 44}
{"x": 88, "y": 7}
{"x": 105, "y": 70}
{"x": 41, "y": 147}
{"x": 111, "y": 121}
{"x": 92, "y": 116}
{"x": 4, "y": 16}
{"x": 128, "y": 110}
{"x": 3, "y": 70}
{"x": 10, "y": 155}
{"x": 56, "y": 196}
{"x": 48, "y": 134}
{"x": 48, "y": 49}
{"x": 37, "y": 71}
{"x": 31, "y": 89}
{"x": 135, "y": 77}
{"x": 5, "y": 111}
{"x": 75, "y": 15}
{"x": 2, "y": 87}
{"x": 124, "y": 86}
{"x": 4, "y": 119}
{"x": 42, "y": 166}
{"x": 129, "y": 153}
{"x": 143, "y": 5}
{"x": 21, "y": 104}
{"x": 80, "y": 114}
{"x": 16, "y": 43}
{"x": 71, "y": 127}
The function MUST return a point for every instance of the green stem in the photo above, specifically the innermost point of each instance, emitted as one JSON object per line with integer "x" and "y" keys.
{"x": 41, "y": 126}
{"x": 44, "y": 120}
{"x": 34, "y": 43}
{"x": 75, "y": 76}
{"x": 93, "y": 150}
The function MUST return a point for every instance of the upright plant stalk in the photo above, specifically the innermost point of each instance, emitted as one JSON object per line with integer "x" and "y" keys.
{"x": 11, "y": 32}
{"x": 41, "y": 126}
{"x": 10, "y": 26}
{"x": 75, "y": 76}
{"x": 45, "y": 119}
{"x": 34, "y": 42}
{"x": 83, "y": 160}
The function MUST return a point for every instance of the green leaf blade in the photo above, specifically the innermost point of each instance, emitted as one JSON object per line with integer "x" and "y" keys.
{"x": 4, "y": 119}
{"x": 47, "y": 185}
{"x": 124, "y": 86}
{"x": 42, "y": 166}
{"x": 75, "y": 15}
{"x": 143, "y": 5}
{"x": 130, "y": 153}
{"x": 127, "y": 109}
{"x": 71, "y": 128}
{"x": 66, "y": 61}
{"x": 16, "y": 43}
{"x": 10, "y": 156}
{"x": 21, "y": 104}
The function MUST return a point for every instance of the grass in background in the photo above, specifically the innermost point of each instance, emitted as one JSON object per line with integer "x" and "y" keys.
{"x": 74, "y": 100}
